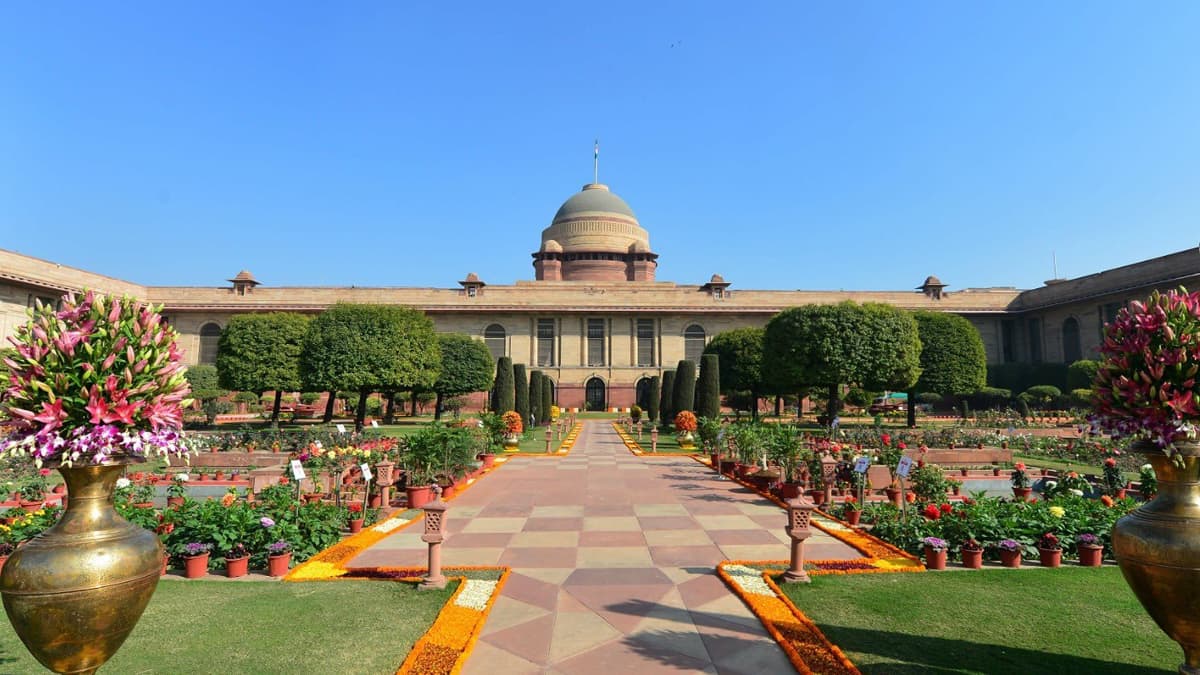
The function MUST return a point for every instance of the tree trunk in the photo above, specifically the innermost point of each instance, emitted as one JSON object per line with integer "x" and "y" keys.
{"x": 754, "y": 405}
{"x": 329, "y": 408}
{"x": 389, "y": 415}
{"x": 414, "y": 402}
{"x": 275, "y": 411}
{"x": 437, "y": 407}
{"x": 360, "y": 413}
{"x": 779, "y": 406}
{"x": 831, "y": 405}
{"x": 912, "y": 408}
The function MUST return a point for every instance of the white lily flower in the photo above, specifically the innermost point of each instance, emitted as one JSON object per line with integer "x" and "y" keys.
{"x": 123, "y": 482}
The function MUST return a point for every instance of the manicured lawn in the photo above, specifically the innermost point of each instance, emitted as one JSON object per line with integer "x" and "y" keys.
{"x": 1081, "y": 469}
{"x": 266, "y": 627}
{"x": 1068, "y": 620}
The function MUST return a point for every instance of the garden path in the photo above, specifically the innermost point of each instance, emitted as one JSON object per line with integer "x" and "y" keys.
{"x": 612, "y": 559}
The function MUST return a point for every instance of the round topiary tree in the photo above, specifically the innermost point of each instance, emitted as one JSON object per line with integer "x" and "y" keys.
{"x": 740, "y": 353}
{"x": 466, "y": 368}
{"x": 953, "y": 359}
{"x": 261, "y": 352}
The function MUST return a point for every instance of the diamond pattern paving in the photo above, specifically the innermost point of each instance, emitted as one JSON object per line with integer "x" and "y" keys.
{"x": 613, "y": 561}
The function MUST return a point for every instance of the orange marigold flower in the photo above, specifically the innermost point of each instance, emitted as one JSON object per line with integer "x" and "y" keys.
{"x": 1106, "y": 500}
{"x": 228, "y": 499}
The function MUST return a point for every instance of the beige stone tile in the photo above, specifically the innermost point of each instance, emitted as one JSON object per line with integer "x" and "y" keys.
{"x": 471, "y": 556}
{"x": 731, "y": 608}
{"x": 659, "y": 510}
{"x": 677, "y": 538}
{"x": 507, "y": 612}
{"x": 614, "y": 556}
{"x": 544, "y": 539}
{"x": 729, "y": 523}
{"x": 758, "y": 552}
{"x": 488, "y": 659}
{"x": 574, "y": 511}
{"x": 494, "y": 525}
{"x": 761, "y": 509}
{"x": 399, "y": 542}
{"x": 550, "y": 575}
{"x": 576, "y": 632}
{"x": 611, "y": 524}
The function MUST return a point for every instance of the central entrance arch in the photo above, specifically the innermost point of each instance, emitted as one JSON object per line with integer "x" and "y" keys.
{"x": 595, "y": 393}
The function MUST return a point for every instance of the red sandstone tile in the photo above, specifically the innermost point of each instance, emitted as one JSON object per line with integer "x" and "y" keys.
{"x": 702, "y": 590}
{"x": 532, "y": 591}
{"x": 504, "y": 510}
{"x": 538, "y": 557}
{"x": 554, "y": 525}
{"x": 668, "y": 523}
{"x": 680, "y": 556}
{"x": 622, "y": 606}
{"x": 529, "y": 640}
{"x": 611, "y": 539}
{"x": 772, "y": 522}
{"x": 391, "y": 558}
{"x": 478, "y": 540}
{"x": 742, "y": 537}
{"x": 601, "y": 576}
{"x": 630, "y": 656}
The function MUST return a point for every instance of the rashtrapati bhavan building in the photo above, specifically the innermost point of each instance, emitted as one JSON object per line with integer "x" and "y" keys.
{"x": 598, "y": 322}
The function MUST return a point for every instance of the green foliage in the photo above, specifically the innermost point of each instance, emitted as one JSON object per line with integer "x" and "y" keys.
{"x": 544, "y": 410}
{"x": 205, "y": 382}
{"x": 1021, "y": 376}
{"x": 929, "y": 483}
{"x": 1081, "y": 398}
{"x": 439, "y": 450}
{"x": 990, "y": 398}
{"x": 708, "y": 388}
{"x": 466, "y": 365}
{"x": 654, "y": 395}
{"x": 261, "y": 352}
{"x": 309, "y": 397}
{"x": 709, "y": 431}
{"x": 953, "y": 360}
{"x": 504, "y": 390}
{"x": 535, "y": 395}
{"x": 246, "y": 397}
{"x": 635, "y": 413}
{"x": 666, "y": 400}
{"x": 859, "y": 397}
{"x": 1081, "y": 374}
{"x": 1041, "y": 395}
{"x": 683, "y": 397}
{"x": 521, "y": 391}
{"x": 741, "y": 356}
{"x": 1023, "y": 408}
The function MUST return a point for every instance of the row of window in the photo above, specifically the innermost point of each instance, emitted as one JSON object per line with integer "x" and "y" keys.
{"x": 1072, "y": 346}
{"x": 496, "y": 339}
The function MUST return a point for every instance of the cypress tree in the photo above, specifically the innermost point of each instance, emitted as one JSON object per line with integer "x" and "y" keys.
{"x": 652, "y": 399}
{"x": 667, "y": 398}
{"x": 708, "y": 389}
{"x": 521, "y": 382}
{"x": 504, "y": 393}
{"x": 684, "y": 397}
{"x": 547, "y": 401}
{"x": 535, "y": 395}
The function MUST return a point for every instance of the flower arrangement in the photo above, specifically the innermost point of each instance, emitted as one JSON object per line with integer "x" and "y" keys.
{"x": 1008, "y": 545}
{"x": 1088, "y": 539}
{"x": 237, "y": 552}
{"x": 1049, "y": 542}
{"x": 178, "y": 486}
{"x": 195, "y": 548}
{"x": 1145, "y": 387}
{"x": 685, "y": 422}
{"x": 1020, "y": 479}
{"x": 512, "y": 422}
{"x": 99, "y": 379}
{"x": 279, "y": 547}
{"x": 935, "y": 544}
{"x": 971, "y": 544}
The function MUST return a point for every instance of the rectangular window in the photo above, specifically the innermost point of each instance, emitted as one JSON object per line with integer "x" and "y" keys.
{"x": 595, "y": 342}
{"x": 545, "y": 342}
{"x": 645, "y": 343}
{"x": 1035, "y": 340}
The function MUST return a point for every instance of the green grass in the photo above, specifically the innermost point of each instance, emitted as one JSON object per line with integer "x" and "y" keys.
{"x": 267, "y": 627}
{"x": 1067, "y": 620}
{"x": 1081, "y": 469}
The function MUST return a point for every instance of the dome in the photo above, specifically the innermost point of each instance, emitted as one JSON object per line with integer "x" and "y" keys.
{"x": 594, "y": 198}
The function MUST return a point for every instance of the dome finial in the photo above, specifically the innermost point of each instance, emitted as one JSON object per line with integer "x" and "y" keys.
{"x": 596, "y": 162}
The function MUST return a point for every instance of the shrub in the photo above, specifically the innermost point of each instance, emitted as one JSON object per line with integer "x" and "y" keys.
{"x": 246, "y": 397}
{"x": 1041, "y": 395}
{"x": 860, "y": 397}
{"x": 684, "y": 396}
{"x": 309, "y": 397}
{"x": 990, "y": 398}
{"x": 374, "y": 406}
{"x": 708, "y": 389}
{"x": 1081, "y": 373}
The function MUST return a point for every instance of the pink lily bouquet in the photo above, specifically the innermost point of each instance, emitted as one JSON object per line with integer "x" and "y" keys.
{"x": 99, "y": 380}
{"x": 1147, "y": 384}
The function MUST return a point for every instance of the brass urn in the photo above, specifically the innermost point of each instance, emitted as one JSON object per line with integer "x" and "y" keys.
{"x": 74, "y": 593}
{"x": 1158, "y": 549}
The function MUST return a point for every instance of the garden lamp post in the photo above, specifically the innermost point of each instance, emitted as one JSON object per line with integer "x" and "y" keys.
{"x": 385, "y": 478}
{"x": 828, "y": 475}
{"x": 654, "y": 438}
{"x": 799, "y": 528}
{"x": 549, "y": 433}
{"x": 435, "y": 534}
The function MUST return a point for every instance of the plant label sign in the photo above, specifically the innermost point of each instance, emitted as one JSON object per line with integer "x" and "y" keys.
{"x": 366, "y": 469}
{"x": 862, "y": 464}
{"x": 374, "y": 424}
{"x": 341, "y": 428}
{"x": 297, "y": 470}
{"x": 904, "y": 467}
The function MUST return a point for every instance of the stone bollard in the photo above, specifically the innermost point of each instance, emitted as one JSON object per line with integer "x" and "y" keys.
{"x": 548, "y": 434}
{"x": 385, "y": 478}
{"x": 639, "y": 430}
{"x": 798, "y": 528}
{"x": 654, "y": 439}
{"x": 435, "y": 521}
{"x": 828, "y": 477}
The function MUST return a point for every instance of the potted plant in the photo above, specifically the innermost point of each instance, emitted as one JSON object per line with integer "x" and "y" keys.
{"x": 279, "y": 558}
{"x": 237, "y": 561}
{"x": 195, "y": 559}
{"x": 851, "y": 510}
{"x": 935, "y": 553}
{"x": 972, "y": 554}
{"x": 33, "y": 490}
{"x": 685, "y": 425}
{"x": 1010, "y": 552}
{"x": 1020, "y": 482}
{"x": 6, "y": 549}
{"x": 1147, "y": 481}
{"x": 354, "y": 518}
{"x": 177, "y": 490}
{"x": 1049, "y": 550}
{"x": 1091, "y": 549}
{"x": 513, "y": 428}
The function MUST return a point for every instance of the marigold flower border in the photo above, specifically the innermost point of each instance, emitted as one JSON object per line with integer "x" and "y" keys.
{"x": 563, "y": 449}
{"x": 636, "y": 448}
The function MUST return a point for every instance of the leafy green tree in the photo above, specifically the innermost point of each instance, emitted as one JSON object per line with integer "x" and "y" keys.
{"x": 953, "y": 360}
{"x": 652, "y": 398}
{"x": 1081, "y": 374}
{"x": 684, "y": 396}
{"x": 206, "y": 388}
{"x": 368, "y": 348}
{"x": 466, "y": 368}
{"x": 547, "y": 400}
{"x": 873, "y": 345}
{"x": 740, "y": 353}
{"x": 521, "y": 389}
{"x": 667, "y": 400}
{"x": 261, "y": 352}
{"x": 535, "y": 396}
{"x": 504, "y": 396}
{"x": 708, "y": 388}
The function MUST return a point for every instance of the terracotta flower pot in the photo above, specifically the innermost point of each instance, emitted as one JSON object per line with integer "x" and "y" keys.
{"x": 449, "y": 490}
{"x": 174, "y": 501}
{"x": 1010, "y": 558}
{"x": 195, "y": 566}
{"x": 1091, "y": 555}
{"x": 31, "y": 506}
{"x": 277, "y": 565}
{"x": 972, "y": 560}
{"x": 419, "y": 495}
{"x": 893, "y": 495}
{"x": 374, "y": 501}
{"x": 1050, "y": 557}
{"x": 489, "y": 460}
{"x": 789, "y": 490}
{"x": 853, "y": 516}
{"x": 238, "y": 567}
{"x": 934, "y": 559}
{"x": 1022, "y": 494}
{"x": 60, "y": 489}
{"x": 356, "y": 525}
{"x": 1120, "y": 494}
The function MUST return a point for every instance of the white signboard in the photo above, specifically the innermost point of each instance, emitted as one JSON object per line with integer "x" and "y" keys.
{"x": 904, "y": 467}
{"x": 375, "y": 424}
{"x": 341, "y": 428}
{"x": 862, "y": 464}
{"x": 297, "y": 470}
{"x": 367, "y": 475}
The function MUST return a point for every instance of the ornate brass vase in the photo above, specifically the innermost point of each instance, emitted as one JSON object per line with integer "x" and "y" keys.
{"x": 1158, "y": 548}
{"x": 75, "y": 592}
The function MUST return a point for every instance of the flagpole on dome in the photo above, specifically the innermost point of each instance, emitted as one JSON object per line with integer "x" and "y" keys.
{"x": 596, "y": 162}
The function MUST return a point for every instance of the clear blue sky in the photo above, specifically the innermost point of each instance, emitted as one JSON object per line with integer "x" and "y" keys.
{"x": 784, "y": 145}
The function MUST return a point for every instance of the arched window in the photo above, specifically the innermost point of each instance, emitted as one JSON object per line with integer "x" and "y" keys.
{"x": 1072, "y": 351}
{"x": 594, "y": 391}
{"x": 693, "y": 343}
{"x": 210, "y": 338}
{"x": 493, "y": 337}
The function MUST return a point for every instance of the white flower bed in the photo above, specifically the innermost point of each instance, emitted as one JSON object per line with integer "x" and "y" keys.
{"x": 749, "y": 580}
{"x": 475, "y": 594}
{"x": 390, "y": 524}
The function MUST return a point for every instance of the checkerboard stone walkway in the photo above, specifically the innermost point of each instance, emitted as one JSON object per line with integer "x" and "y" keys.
{"x": 613, "y": 560}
